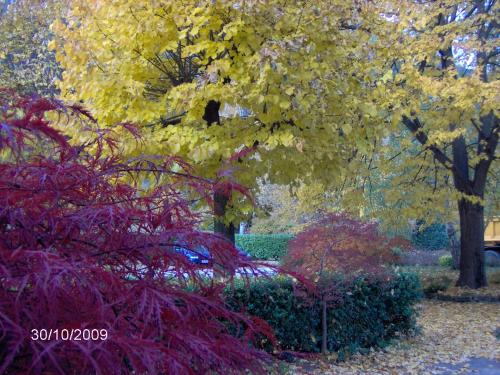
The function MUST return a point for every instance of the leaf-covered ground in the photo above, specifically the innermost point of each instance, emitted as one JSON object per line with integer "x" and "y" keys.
{"x": 492, "y": 290}
{"x": 456, "y": 338}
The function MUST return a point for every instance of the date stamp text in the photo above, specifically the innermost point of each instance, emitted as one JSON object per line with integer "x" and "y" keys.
{"x": 69, "y": 334}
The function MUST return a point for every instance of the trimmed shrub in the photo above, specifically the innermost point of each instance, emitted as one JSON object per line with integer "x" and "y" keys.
{"x": 433, "y": 237}
{"x": 373, "y": 313}
{"x": 446, "y": 261}
{"x": 264, "y": 246}
{"x": 368, "y": 313}
{"x": 293, "y": 319}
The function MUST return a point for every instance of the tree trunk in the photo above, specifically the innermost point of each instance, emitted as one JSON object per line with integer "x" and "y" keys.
{"x": 225, "y": 230}
{"x": 211, "y": 116}
{"x": 454, "y": 244}
{"x": 220, "y": 204}
{"x": 324, "y": 328}
{"x": 472, "y": 270}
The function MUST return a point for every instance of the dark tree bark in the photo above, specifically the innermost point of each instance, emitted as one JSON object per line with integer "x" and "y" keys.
{"x": 223, "y": 229}
{"x": 220, "y": 204}
{"x": 454, "y": 244}
{"x": 472, "y": 270}
{"x": 211, "y": 116}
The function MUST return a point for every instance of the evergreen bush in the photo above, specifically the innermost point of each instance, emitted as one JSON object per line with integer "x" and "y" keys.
{"x": 264, "y": 246}
{"x": 433, "y": 237}
{"x": 369, "y": 313}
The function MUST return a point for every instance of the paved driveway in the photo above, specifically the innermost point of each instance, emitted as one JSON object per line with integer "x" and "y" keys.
{"x": 476, "y": 365}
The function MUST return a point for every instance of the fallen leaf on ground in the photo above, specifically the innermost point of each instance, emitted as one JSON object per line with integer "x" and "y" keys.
{"x": 452, "y": 333}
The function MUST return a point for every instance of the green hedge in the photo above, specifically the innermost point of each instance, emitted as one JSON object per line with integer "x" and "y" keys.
{"x": 264, "y": 246}
{"x": 369, "y": 313}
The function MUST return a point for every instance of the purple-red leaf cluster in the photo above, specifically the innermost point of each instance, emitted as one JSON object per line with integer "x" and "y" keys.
{"x": 338, "y": 243}
{"x": 80, "y": 248}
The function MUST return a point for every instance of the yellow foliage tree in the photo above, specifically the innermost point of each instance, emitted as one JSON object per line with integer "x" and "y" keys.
{"x": 291, "y": 71}
{"x": 437, "y": 75}
{"x": 319, "y": 87}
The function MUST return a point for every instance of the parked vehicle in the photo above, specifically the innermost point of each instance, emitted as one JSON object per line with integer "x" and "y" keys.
{"x": 492, "y": 235}
{"x": 492, "y": 242}
{"x": 201, "y": 255}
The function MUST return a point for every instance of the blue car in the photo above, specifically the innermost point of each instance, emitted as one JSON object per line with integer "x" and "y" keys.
{"x": 201, "y": 255}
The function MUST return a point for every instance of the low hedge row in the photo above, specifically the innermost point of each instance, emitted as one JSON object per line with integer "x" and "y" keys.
{"x": 368, "y": 314}
{"x": 264, "y": 246}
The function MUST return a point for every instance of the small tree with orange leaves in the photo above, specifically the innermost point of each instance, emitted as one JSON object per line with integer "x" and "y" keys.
{"x": 338, "y": 244}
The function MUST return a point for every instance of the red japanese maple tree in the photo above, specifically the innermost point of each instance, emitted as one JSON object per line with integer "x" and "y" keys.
{"x": 81, "y": 248}
{"x": 338, "y": 244}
